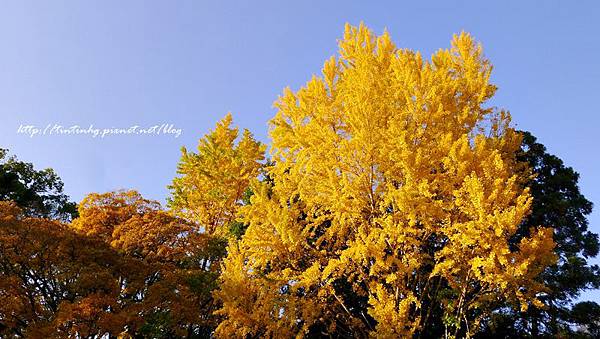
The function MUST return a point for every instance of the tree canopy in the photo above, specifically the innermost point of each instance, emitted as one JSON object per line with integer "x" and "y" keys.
{"x": 391, "y": 178}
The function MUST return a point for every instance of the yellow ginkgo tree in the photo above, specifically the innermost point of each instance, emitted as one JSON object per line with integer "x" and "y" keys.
{"x": 394, "y": 197}
{"x": 213, "y": 181}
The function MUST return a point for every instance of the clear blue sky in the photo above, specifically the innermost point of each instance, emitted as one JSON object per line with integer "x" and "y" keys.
{"x": 123, "y": 63}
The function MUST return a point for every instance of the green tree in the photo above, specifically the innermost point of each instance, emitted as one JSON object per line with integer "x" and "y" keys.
{"x": 558, "y": 203}
{"x": 38, "y": 192}
{"x": 586, "y": 316}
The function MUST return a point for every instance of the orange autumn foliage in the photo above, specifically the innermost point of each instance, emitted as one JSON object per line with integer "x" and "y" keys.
{"x": 55, "y": 282}
{"x": 178, "y": 255}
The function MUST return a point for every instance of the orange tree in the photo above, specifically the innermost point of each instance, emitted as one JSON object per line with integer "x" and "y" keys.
{"x": 175, "y": 297}
{"x": 55, "y": 282}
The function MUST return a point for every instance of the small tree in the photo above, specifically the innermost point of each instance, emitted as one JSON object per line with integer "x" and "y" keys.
{"x": 213, "y": 182}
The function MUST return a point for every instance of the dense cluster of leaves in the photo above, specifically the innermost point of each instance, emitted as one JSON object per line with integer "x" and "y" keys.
{"x": 55, "y": 282}
{"x": 557, "y": 202}
{"x": 214, "y": 181}
{"x": 395, "y": 191}
{"x": 123, "y": 266}
{"x": 38, "y": 192}
{"x": 396, "y": 204}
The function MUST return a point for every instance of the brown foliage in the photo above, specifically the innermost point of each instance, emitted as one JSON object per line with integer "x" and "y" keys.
{"x": 124, "y": 267}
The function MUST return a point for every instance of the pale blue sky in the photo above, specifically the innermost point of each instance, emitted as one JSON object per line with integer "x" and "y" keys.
{"x": 123, "y": 63}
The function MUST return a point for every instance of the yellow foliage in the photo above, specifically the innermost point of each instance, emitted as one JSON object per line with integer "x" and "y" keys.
{"x": 391, "y": 176}
{"x": 212, "y": 181}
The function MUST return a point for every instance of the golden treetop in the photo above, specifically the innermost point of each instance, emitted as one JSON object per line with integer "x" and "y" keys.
{"x": 390, "y": 172}
{"x": 213, "y": 181}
